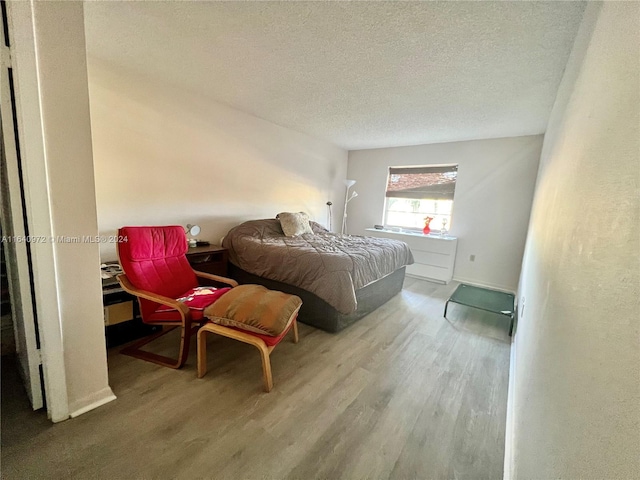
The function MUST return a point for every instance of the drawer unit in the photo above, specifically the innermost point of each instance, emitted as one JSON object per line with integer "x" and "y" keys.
{"x": 118, "y": 313}
{"x": 434, "y": 255}
{"x": 121, "y": 315}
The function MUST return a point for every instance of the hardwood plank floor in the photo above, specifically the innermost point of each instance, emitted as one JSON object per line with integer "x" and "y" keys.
{"x": 403, "y": 393}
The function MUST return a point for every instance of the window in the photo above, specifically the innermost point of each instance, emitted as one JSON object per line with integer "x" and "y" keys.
{"x": 414, "y": 193}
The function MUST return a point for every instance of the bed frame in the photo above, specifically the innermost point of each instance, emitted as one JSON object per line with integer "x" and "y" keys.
{"x": 318, "y": 313}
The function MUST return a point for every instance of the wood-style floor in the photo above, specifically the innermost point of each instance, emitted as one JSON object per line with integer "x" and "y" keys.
{"x": 403, "y": 393}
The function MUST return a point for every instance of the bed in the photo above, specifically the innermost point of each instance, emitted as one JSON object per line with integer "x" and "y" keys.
{"x": 340, "y": 278}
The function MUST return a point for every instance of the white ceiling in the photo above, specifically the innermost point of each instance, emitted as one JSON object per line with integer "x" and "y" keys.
{"x": 358, "y": 74}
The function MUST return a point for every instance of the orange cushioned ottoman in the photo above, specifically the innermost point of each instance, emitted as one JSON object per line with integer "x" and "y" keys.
{"x": 251, "y": 314}
{"x": 255, "y": 309}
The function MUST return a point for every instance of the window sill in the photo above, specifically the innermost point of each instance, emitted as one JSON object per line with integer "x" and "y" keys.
{"x": 412, "y": 233}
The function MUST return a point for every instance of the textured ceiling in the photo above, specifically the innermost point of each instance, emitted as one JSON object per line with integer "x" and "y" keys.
{"x": 358, "y": 74}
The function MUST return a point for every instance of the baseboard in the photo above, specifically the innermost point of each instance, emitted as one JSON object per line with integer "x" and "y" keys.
{"x": 427, "y": 279}
{"x": 508, "y": 434}
{"x": 92, "y": 401}
{"x": 491, "y": 286}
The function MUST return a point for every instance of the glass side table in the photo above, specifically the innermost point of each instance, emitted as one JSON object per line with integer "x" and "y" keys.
{"x": 484, "y": 299}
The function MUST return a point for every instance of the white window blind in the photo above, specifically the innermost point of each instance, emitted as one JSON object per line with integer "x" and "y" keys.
{"x": 422, "y": 183}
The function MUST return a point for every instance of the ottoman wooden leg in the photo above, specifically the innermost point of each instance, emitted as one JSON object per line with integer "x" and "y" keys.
{"x": 266, "y": 366}
{"x": 202, "y": 353}
{"x": 295, "y": 330}
{"x": 265, "y": 350}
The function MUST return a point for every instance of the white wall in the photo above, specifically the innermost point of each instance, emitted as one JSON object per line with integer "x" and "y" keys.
{"x": 50, "y": 67}
{"x": 164, "y": 155}
{"x": 492, "y": 201}
{"x": 574, "y": 406}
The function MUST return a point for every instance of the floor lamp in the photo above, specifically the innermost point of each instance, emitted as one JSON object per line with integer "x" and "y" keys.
{"x": 347, "y": 199}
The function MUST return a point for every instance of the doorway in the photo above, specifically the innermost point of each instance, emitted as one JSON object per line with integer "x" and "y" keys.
{"x": 16, "y": 246}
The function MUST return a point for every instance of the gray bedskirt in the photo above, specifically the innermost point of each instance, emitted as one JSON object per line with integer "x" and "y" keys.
{"x": 318, "y": 313}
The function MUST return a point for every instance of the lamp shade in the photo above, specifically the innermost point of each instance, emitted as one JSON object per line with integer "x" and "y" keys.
{"x": 193, "y": 229}
{"x": 349, "y": 183}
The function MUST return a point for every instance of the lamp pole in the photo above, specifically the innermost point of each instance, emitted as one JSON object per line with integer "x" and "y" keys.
{"x": 347, "y": 199}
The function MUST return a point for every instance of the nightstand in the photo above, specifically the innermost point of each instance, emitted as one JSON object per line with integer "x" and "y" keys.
{"x": 209, "y": 259}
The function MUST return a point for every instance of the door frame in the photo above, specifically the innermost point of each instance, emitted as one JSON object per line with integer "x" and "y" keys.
{"x": 21, "y": 28}
{"x": 15, "y": 225}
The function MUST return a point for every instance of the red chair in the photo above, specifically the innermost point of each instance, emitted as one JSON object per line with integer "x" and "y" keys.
{"x": 156, "y": 271}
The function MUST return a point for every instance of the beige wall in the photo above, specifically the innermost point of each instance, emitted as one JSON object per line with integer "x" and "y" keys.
{"x": 491, "y": 206}
{"x": 574, "y": 406}
{"x": 164, "y": 155}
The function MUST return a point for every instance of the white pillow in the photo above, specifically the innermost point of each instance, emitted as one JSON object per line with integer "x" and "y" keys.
{"x": 294, "y": 224}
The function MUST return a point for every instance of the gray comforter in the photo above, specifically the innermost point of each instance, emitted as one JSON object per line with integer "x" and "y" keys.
{"x": 328, "y": 265}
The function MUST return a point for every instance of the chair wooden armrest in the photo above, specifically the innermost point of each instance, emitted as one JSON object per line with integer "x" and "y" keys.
{"x": 154, "y": 297}
{"x": 216, "y": 278}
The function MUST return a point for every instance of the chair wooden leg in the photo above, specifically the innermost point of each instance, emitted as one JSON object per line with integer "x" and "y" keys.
{"x": 295, "y": 331}
{"x": 202, "y": 353}
{"x": 185, "y": 343}
{"x": 135, "y": 350}
{"x": 266, "y": 368}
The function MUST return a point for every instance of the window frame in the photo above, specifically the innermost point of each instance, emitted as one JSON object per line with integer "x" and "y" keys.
{"x": 389, "y": 198}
